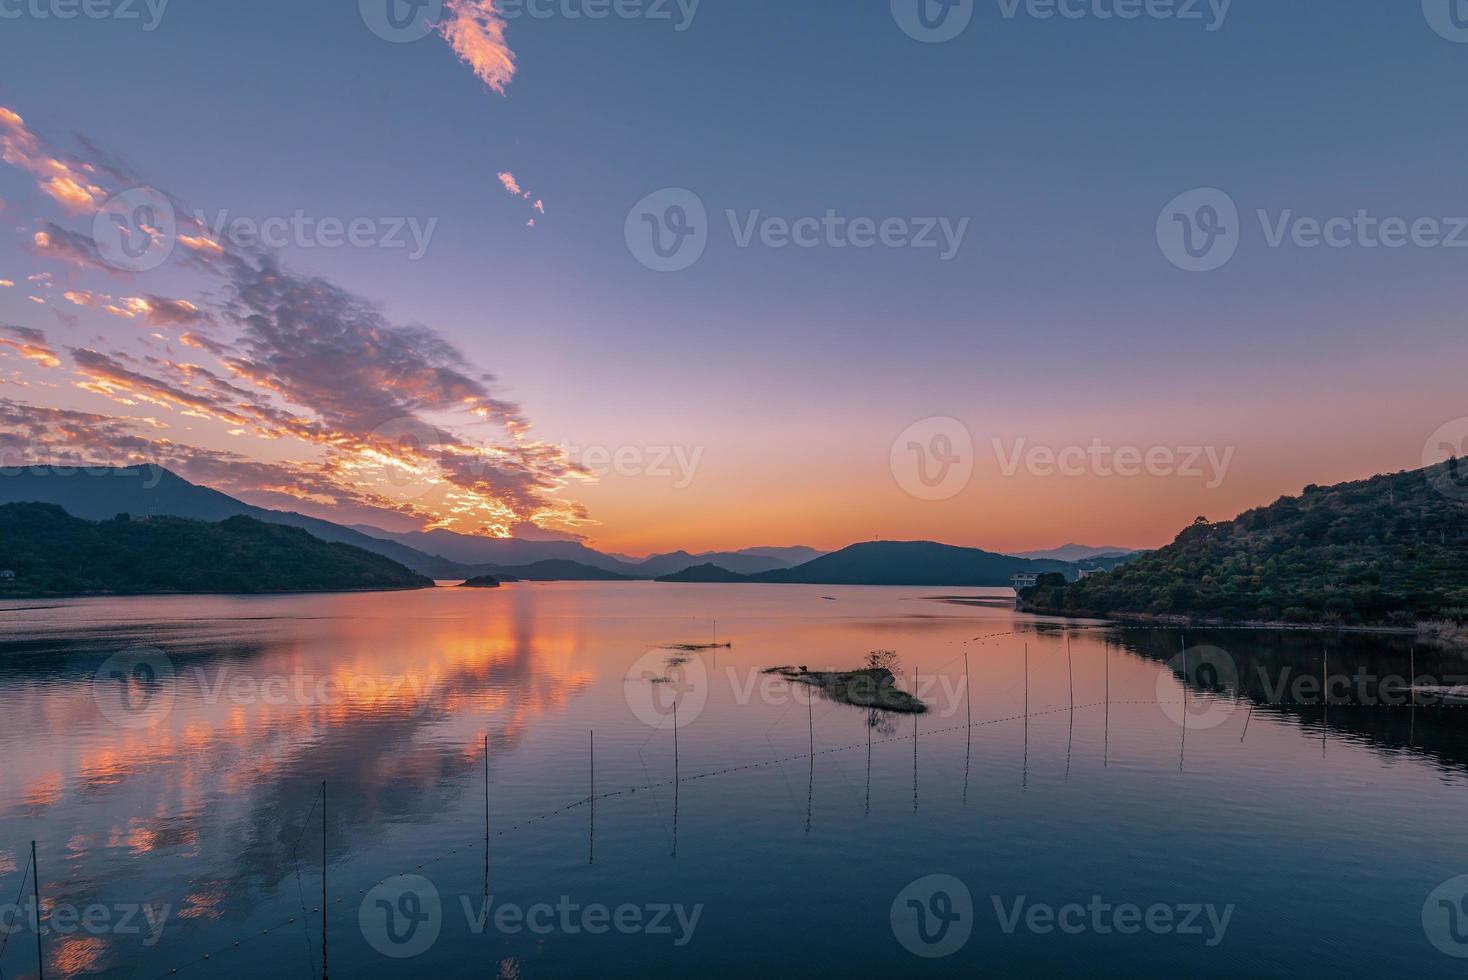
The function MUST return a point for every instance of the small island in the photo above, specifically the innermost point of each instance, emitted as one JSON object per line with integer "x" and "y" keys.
{"x": 481, "y": 582}
{"x": 873, "y": 686}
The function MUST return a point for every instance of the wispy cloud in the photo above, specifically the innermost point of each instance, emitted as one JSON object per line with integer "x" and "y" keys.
{"x": 512, "y": 185}
{"x": 301, "y": 362}
{"x": 476, "y": 32}
{"x": 66, "y": 181}
{"x": 30, "y": 343}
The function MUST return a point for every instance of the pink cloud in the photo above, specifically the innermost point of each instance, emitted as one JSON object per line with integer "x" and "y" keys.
{"x": 476, "y": 32}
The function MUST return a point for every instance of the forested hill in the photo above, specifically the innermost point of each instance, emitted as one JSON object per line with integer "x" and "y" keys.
{"x": 50, "y": 552}
{"x": 1391, "y": 550}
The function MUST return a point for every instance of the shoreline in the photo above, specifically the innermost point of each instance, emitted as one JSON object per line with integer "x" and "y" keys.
{"x": 32, "y": 596}
{"x": 1197, "y": 622}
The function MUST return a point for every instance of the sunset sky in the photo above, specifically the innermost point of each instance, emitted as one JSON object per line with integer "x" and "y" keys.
{"x": 754, "y": 397}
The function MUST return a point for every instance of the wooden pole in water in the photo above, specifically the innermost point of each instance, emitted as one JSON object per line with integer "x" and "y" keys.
{"x": 591, "y": 833}
{"x": 914, "y": 743}
{"x": 1324, "y": 696}
{"x": 1182, "y": 751}
{"x": 968, "y": 690}
{"x": 1106, "y": 724}
{"x": 675, "y": 777}
{"x": 1071, "y": 669}
{"x": 868, "y": 809}
{"x": 323, "y": 879}
{"x": 1027, "y": 684}
{"x": 810, "y": 720}
{"x": 486, "y": 826}
{"x": 36, "y": 897}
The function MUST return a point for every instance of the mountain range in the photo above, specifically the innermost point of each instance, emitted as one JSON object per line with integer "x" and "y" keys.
{"x": 47, "y": 551}
{"x": 100, "y": 493}
{"x": 1078, "y": 552}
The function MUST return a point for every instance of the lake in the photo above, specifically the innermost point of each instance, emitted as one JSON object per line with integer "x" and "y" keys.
{"x": 1088, "y": 804}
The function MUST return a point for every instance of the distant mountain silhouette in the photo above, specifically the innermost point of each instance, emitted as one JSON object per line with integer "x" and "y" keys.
{"x": 99, "y": 493}
{"x": 473, "y": 549}
{"x": 558, "y": 570}
{"x": 795, "y": 555}
{"x": 1077, "y": 552}
{"x": 51, "y": 552}
{"x": 912, "y": 563}
{"x": 740, "y": 562}
{"x": 704, "y": 573}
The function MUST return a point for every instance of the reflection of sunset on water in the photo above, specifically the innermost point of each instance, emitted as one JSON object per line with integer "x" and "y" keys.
{"x": 390, "y": 705}
{"x": 208, "y": 811}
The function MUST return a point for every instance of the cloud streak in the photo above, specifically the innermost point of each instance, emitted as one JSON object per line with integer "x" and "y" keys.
{"x": 476, "y": 32}
{"x": 303, "y": 364}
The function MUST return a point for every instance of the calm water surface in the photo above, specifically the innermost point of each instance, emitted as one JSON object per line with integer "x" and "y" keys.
{"x": 168, "y": 755}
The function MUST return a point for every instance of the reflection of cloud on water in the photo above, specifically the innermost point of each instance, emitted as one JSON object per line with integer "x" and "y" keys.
{"x": 225, "y": 783}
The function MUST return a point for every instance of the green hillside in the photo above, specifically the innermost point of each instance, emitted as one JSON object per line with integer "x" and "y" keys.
{"x": 1391, "y": 550}
{"x": 53, "y": 553}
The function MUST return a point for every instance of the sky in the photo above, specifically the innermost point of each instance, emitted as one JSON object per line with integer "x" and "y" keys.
{"x": 723, "y": 274}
